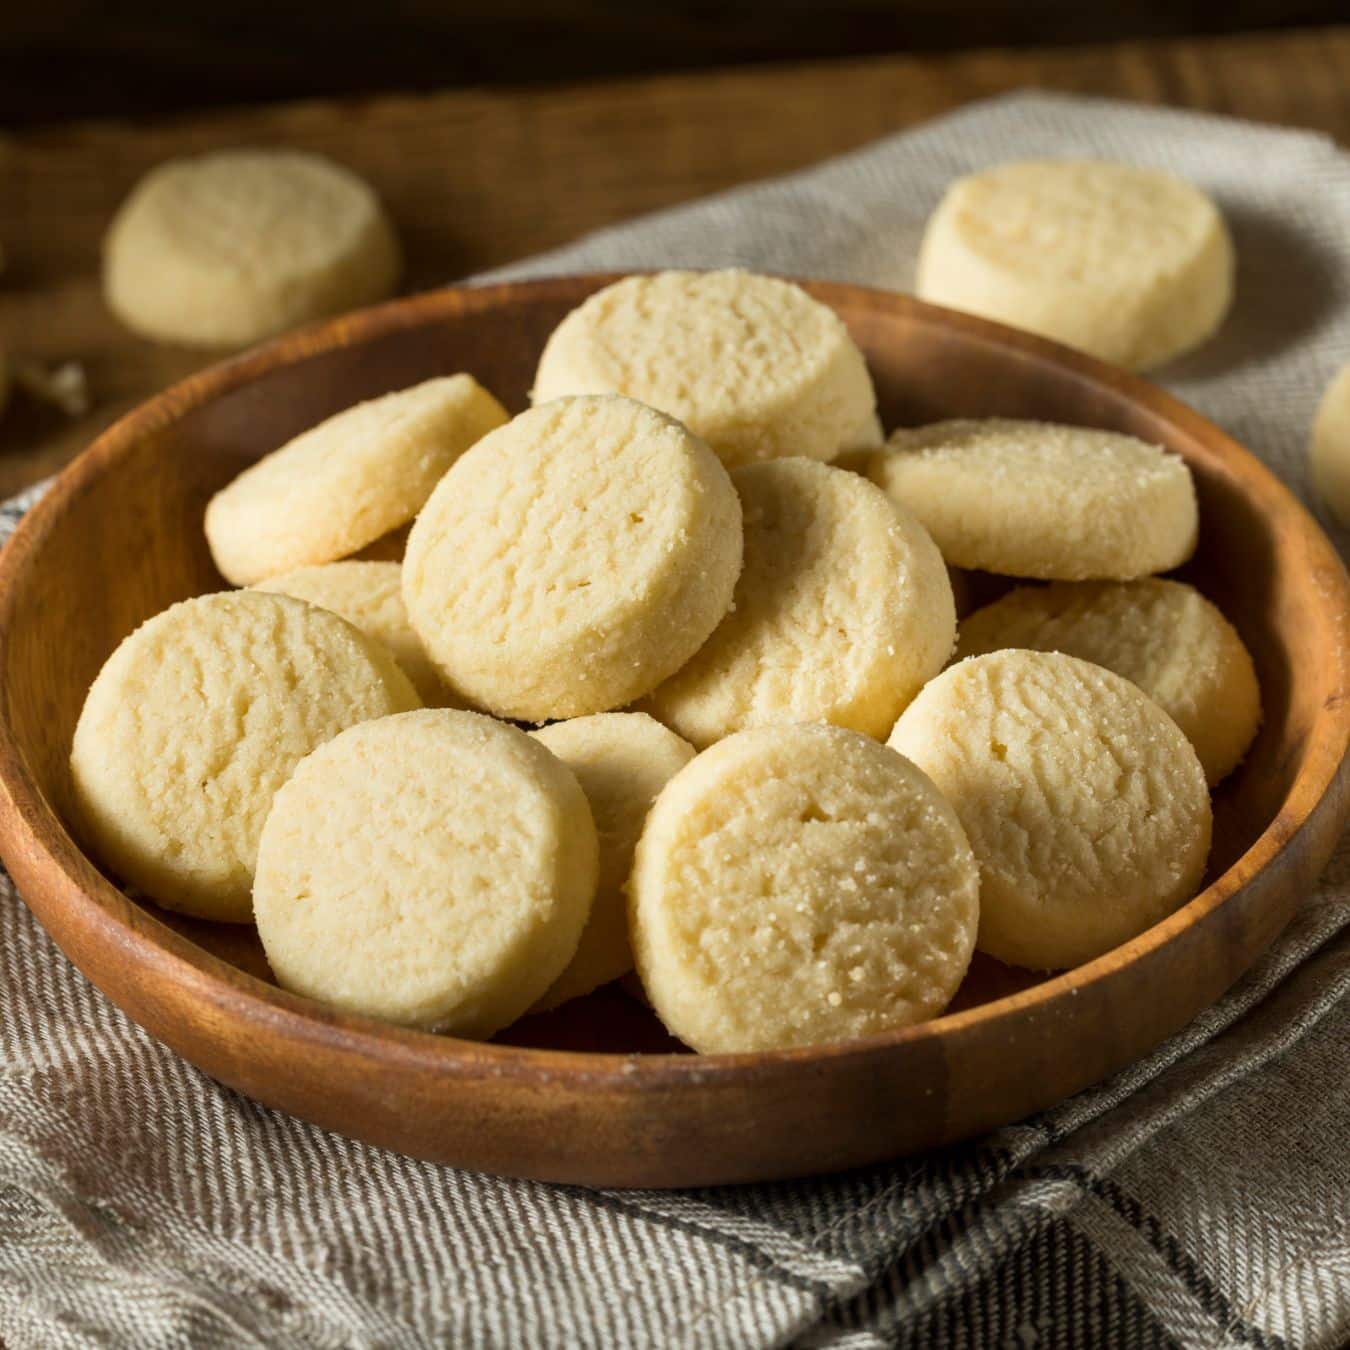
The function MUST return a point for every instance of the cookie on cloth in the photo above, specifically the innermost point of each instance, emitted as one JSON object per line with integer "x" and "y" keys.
{"x": 1127, "y": 263}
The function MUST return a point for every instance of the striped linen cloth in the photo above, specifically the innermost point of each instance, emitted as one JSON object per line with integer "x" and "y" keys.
{"x": 1201, "y": 1198}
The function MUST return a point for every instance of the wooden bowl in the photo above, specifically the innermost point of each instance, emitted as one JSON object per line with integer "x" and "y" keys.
{"x": 596, "y": 1093}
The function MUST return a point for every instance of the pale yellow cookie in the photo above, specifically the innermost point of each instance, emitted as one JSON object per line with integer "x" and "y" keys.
{"x": 751, "y": 363}
{"x": 1330, "y": 447}
{"x": 196, "y": 720}
{"x": 1036, "y": 499}
{"x": 842, "y": 611}
{"x": 369, "y": 595}
{"x": 434, "y": 869}
{"x": 1161, "y": 635}
{"x": 573, "y": 559}
{"x": 1084, "y": 803}
{"x": 348, "y": 481}
{"x": 231, "y": 247}
{"x": 1129, "y": 264}
{"x": 621, "y": 760}
{"x": 800, "y": 884}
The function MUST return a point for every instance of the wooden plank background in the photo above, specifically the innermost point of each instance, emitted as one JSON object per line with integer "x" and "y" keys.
{"x": 62, "y": 59}
{"x": 478, "y": 177}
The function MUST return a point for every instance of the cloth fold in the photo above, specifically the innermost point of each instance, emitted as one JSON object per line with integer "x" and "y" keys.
{"x": 1200, "y": 1198}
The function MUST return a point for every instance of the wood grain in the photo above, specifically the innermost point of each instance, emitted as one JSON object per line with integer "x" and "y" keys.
{"x": 76, "y": 58}
{"x": 593, "y": 1095}
{"x": 479, "y": 178}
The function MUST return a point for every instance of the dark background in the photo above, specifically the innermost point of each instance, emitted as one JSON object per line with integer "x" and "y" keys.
{"x": 62, "y": 59}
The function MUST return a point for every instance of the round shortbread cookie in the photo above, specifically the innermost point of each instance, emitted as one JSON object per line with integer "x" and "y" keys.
{"x": 196, "y": 720}
{"x": 1330, "y": 447}
{"x": 1036, "y": 499}
{"x": 751, "y": 363}
{"x": 621, "y": 760}
{"x": 348, "y": 481}
{"x": 1163, "y": 636}
{"x": 228, "y": 248}
{"x": 1129, "y": 264}
{"x": 573, "y": 559}
{"x": 800, "y": 884}
{"x": 434, "y": 869}
{"x": 369, "y": 595}
{"x": 1084, "y": 803}
{"x": 843, "y": 610}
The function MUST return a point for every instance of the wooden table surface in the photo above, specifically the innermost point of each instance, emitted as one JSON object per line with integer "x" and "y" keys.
{"x": 478, "y": 178}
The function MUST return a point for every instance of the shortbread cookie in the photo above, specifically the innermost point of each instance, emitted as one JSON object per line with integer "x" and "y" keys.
{"x": 621, "y": 760}
{"x": 196, "y": 720}
{"x": 1036, "y": 499}
{"x": 1084, "y": 803}
{"x": 842, "y": 611}
{"x": 1161, "y": 635}
{"x": 348, "y": 481}
{"x": 228, "y": 248}
{"x": 800, "y": 884}
{"x": 751, "y": 363}
{"x": 434, "y": 869}
{"x": 1129, "y": 264}
{"x": 1330, "y": 447}
{"x": 573, "y": 559}
{"x": 369, "y": 595}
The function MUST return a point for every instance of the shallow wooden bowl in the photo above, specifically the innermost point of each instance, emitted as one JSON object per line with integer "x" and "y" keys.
{"x": 596, "y": 1093}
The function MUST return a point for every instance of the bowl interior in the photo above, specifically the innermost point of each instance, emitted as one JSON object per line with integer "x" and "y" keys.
{"x": 130, "y": 542}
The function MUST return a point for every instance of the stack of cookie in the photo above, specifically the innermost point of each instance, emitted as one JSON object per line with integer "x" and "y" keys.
{"x": 655, "y": 680}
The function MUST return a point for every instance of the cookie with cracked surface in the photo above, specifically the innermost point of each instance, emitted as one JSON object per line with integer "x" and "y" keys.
{"x": 1162, "y": 635}
{"x": 348, "y": 482}
{"x": 197, "y": 719}
{"x": 842, "y": 611}
{"x": 1084, "y": 803}
{"x": 1037, "y": 499}
{"x": 751, "y": 363}
{"x": 797, "y": 885}
{"x": 573, "y": 559}
{"x": 433, "y": 869}
{"x": 621, "y": 760}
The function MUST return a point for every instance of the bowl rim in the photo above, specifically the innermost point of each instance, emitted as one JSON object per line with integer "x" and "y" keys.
{"x": 31, "y": 830}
